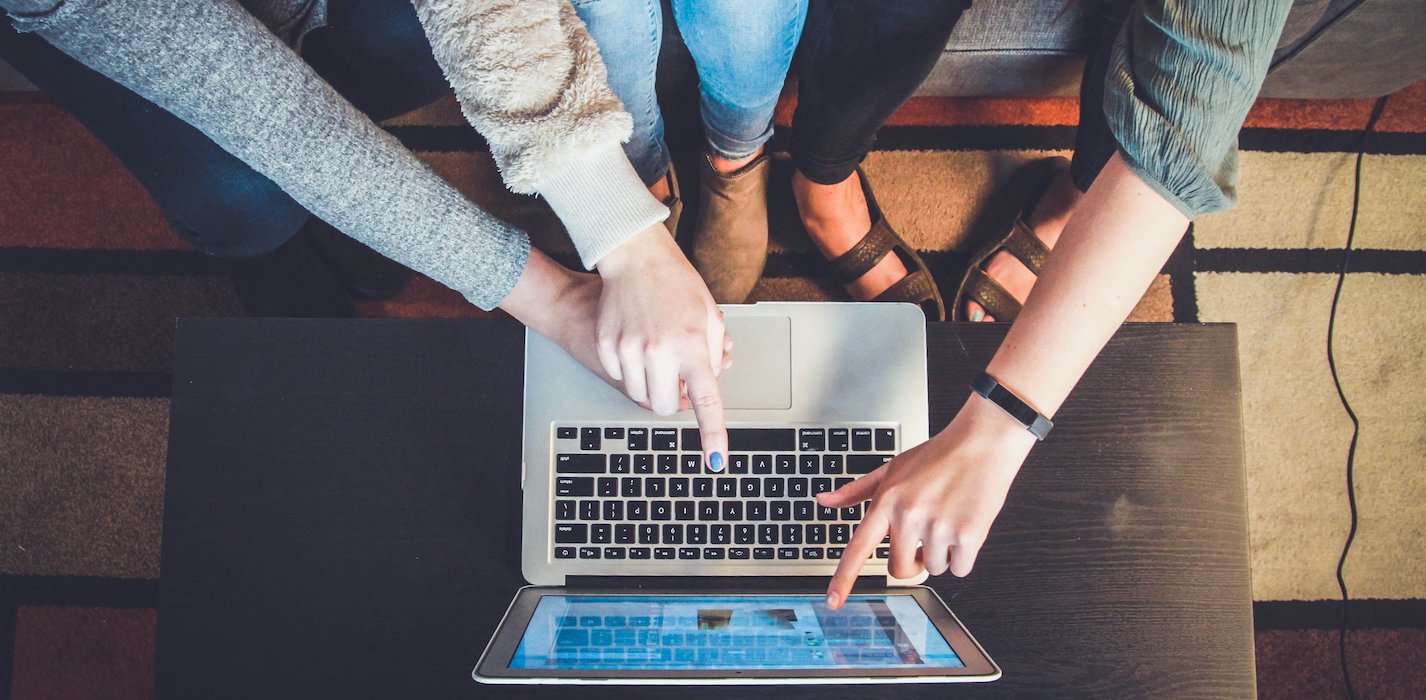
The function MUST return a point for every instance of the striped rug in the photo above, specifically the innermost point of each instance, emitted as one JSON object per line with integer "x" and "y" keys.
{"x": 91, "y": 280}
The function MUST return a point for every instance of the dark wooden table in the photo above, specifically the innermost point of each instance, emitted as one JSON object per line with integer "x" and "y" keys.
{"x": 342, "y": 518}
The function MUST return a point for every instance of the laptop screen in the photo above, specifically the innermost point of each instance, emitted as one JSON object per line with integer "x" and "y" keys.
{"x": 730, "y": 632}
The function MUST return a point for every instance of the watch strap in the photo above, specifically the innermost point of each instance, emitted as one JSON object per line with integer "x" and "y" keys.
{"x": 996, "y": 393}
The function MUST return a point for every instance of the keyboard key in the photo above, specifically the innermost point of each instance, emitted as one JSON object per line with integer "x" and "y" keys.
{"x": 757, "y": 510}
{"x": 885, "y": 440}
{"x": 688, "y": 553}
{"x": 656, "y": 487}
{"x": 589, "y": 510}
{"x": 613, "y": 510}
{"x": 834, "y": 552}
{"x": 821, "y": 486}
{"x": 739, "y": 553}
{"x": 601, "y": 533}
{"x": 608, "y": 487}
{"x": 696, "y": 534}
{"x": 791, "y": 534}
{"x": 574, "y": 486}
{"x": 683, "y": 510}
{"x": 564, "y": 552}
{"x": 837, "y": 439}
{"x": 639, "y": 552}
{"x": 808, "y": 464}
{"x": 743, "y": 534}
{"x": 750, "y": 487}
{"x": 738, "y": 464}
{"x": 579, "y": 464}
{"x": 833, "y": 464}
{"x": 709, "y": 510}
{"x": 668, "y": 464}
{"x": 784, "y": 464}
{"x": 883, "y": 552}
{"x": 780, "y": 510}
{"x": 661, "y": 510}
{"x": 672, "y": 534}
{"x": 840, "y": 533}
{"x": 638, "y": 439}
{"x": 775, "y": 487}
{"x": 619, "y": 463}
{"x": 589, "y": 438}
{"x": 572, "y": 638}
{"x": 690, "y": 463}
{"x": 691, "y": 439}
{"x": 816, "y": 534}
{"x": 678, "y": 488}
{"x": 763, "y": 553}
{"x": 761, "y": 440}
{"x": 589, "y": 552}
{"x": 613, "y": 433}
{"x": 648, "y": 534}
{"x": 732, "y": 511}
{"x": 802, "y": 510}
{"x": 861, "y": 439}
{"x": 762, "y": 464}
{"x": 663, "y": 552}
{"x": 713, "y": 553}
{"x": 643, "y": 464}
{"x": 664, "y": 439}
{"x": 852, "y": 512}
{"x": 637, "y": 510}
{"x": 811, "y": 440}
{"x": 566, "y": 433}
{"x": 631, "y": 487}
{"x": 571, "y": 533}
{"x": 564, "y": 510}
{"x": 703, "y": 487}
{"x": 727, "y": 488}
{"x": 614, "y": 552}
{"x": 797, "y": 488}
{"x": 811, "y": 552}
{"x": 767, "y": 534}
{"x": 787, "y": 552}
{"x": 721, "y": 533}
{"x": 826, "y": 513}
{"x": 623, "y": 534}
{"x": 865, "y": 464}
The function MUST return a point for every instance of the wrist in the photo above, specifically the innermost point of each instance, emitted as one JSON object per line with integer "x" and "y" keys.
{"x": 633, "y": 255}
{"x": 985, "y": 418}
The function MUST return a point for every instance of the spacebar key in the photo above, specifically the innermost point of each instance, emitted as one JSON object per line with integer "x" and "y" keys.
{"x": 762, "y": 439}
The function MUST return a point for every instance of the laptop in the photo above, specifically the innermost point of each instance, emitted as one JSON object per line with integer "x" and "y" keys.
{"x": 647, "y": 567}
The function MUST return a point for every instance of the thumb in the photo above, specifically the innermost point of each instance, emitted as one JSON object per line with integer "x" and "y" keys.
{"x": 853, "y": 493}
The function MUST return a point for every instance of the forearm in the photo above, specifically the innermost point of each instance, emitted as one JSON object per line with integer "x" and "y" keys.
{"x": 1116, "y": 242}
{"x": 214, "y": 66}
{"x": 529, "y": 78}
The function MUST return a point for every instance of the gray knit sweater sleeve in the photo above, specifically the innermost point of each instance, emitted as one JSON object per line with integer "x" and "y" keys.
{"x": 1181, "y": 79}
{"x": 214, "y": 66}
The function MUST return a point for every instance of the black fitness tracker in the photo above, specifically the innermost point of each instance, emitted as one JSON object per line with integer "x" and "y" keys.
{"x": 996, "y": 393}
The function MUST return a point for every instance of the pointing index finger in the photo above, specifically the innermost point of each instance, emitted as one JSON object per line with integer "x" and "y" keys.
{"x": 868, "y": 535}
{"x": 707, "y": 401}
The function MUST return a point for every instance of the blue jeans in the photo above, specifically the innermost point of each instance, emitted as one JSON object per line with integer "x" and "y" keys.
{"x": 373, "y": 52}
{"x": 742, "y": 51}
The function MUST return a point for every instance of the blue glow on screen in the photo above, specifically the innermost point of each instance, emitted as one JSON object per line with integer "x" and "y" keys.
{"x": 730, "y": 632}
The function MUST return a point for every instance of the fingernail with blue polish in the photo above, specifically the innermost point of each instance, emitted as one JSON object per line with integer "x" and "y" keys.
{"x": 976, "y": 316}
{"x": 715, "y": 462}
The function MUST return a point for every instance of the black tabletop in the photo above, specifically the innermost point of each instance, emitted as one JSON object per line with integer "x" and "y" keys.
{"x": 343, "y": 500}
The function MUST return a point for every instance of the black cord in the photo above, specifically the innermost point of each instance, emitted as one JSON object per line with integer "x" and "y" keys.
{"x": 1342, "y": 396}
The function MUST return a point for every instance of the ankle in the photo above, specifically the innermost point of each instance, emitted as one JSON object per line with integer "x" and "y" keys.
{"x": 1054, "y": 209}
{"x": 661, "y": 190}
{"x": 835, "y": 215}
{"x": 725, "y": 166}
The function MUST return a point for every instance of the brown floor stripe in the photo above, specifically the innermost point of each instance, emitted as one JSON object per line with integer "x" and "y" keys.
{"x": 83, "y": 653}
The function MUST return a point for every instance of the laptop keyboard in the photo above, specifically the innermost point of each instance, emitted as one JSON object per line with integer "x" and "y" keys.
{"x": 633, "y": 492}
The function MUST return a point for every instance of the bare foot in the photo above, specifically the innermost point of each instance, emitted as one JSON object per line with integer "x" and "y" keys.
{"x": 1047, "y": 221}
{"x": 725, "y": 166}
{"x": 836, "y": 218}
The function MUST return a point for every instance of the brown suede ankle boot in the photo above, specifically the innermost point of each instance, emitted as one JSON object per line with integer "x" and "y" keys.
{"x": 730, "y": 240}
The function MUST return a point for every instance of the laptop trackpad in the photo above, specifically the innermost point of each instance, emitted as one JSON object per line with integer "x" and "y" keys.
{"x": 761, "y": 375}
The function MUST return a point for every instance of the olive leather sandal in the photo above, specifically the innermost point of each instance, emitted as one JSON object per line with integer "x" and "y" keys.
{"x": 917, "y": 287}
{"x": 1013, "y": 235}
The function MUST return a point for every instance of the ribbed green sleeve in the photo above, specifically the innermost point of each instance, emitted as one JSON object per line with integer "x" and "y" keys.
{"x": 1182, "y": 76}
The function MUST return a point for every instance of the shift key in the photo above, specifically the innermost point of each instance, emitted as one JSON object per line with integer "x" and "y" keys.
{"x": 865, "y": 464}
{"x": 574, "y": 486}
{"x": 586, "y": 463}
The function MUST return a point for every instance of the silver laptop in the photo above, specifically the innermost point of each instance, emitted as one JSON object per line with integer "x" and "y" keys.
{"x": 650, "y": 568}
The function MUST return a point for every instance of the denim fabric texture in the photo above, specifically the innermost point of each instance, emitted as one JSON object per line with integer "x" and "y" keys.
{"x": 742, "y": 51}
{"x": 373, "y": 51}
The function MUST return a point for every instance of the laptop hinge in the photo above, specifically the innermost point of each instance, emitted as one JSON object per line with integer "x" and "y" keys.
{"x": 799, "y": 583}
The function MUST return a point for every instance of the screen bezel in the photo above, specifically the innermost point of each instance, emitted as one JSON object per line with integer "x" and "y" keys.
{"x": 494, "y": 664}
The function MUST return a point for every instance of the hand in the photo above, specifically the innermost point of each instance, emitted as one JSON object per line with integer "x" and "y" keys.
{"x": 943, "y": 495}
{"x": 661, "y": 334}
